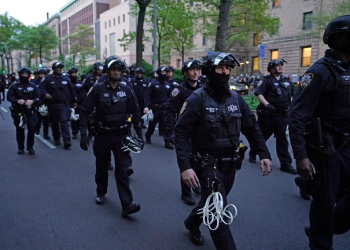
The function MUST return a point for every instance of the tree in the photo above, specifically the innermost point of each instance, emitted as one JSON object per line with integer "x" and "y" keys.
{"x": 81, "y": 43}
{"x": 244, "y": 18}
{"x": 139, "y": 32}
{"x": 9, "y": 26}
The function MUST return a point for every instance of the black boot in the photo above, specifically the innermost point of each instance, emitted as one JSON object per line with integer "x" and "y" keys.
{"x": 31, "y": 151}
{"x": 169, "y": 145}
{"x": 302, "y": 186}
{"x": 130, "y": 209}
{"x": 148, "y": 140}
{"x": 100, "y": 199}
{"x": 195, "y": 235}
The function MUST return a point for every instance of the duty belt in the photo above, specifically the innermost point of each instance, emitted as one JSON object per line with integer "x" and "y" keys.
{"x": 123, "y": 129}
{"x": 159, "y": 105}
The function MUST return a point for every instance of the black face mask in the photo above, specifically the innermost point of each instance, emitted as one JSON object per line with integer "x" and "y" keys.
{"x": 162, "y": 77}
{"x": 24, "y": 79}
{"x": 221, "y": 80}
{"x": 73, "y": 78}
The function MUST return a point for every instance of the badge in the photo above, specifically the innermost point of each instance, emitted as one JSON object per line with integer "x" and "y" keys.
{"x": 183, "y": 108}
{"x": 259, "y": 83}
{"x": 79, "y": 85}
{"x": 306, "y": 80}
{"x": 144, "y": 85}
{"x": 105, "y": 94}
{"x": 64, "y": 82}
{"x": 286, "y": 84}
{"x": 123, "y": 83}
{"x": 121, "y": 94}
{"x": 30, "y": 89}
{"x": 175, "y": 92}
{"x": 167, "y": 86}
{"x": 157, "y": 86}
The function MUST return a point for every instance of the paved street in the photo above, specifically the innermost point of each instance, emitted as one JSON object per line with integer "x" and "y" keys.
{"x": 47, "y": 202}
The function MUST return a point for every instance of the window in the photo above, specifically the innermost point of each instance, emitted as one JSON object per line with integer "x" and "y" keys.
{"x": 123, "y": 18}
{"x": 105, "y": 25}
{"x": 190, "y": 58}
{"x": 118, "y": 19}
{"x": 123, "y": 32}
{"x": 109, "y": 23}
{"x": 205, "y": 40}
{"x": 105, "y": 38}
{"x": 274, "y": 54}
{"x": 256, "y": 39}
{"x": 178, "y": 63}
{"x": 306, "y": 57}
{"x": 112, "y": 44}
{"x": 276, "y": 3}
{"x": 113, "y": 21}
{"x": 191, "y": 3}
{"x": 255, "y": 63}
{"x": 307, "y": 24}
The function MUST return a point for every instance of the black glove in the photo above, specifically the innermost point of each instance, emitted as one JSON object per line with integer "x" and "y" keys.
{"x": 270, "y": 108}
{"x": 84, "y": 142}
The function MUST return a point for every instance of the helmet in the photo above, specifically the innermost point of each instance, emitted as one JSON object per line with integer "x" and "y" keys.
{"x": 216, "y": 58}
{"x": 258, "y": 77}
{"x": 154, "y": 73}
{"x": 41, "y": 71}
{"x": 35, "y": 72}
{"x": 339, "y": 25}
{"x": 246, "y": 75}
{"x": 47, "y": 70}
{"x": 57, "y": 65}
{"x": 169, "y": 69}
{"x": 274, "y": 63}
{"x": 82, "y": 76}
{"x": 126, "y": 70}
{"x": 72, "y": 70}
{"x": 97, "y": 66}
{"x": 132, "y": 67}
{"x": 160, "y": 69}
{"x": 115, "y": 62}
{"x": 139, "y": 70}
{"x": 23, "y": 69}
{"x": 191, "y": 64}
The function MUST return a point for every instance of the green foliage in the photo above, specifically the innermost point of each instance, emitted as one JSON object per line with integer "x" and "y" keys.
{"x": 245, "y": 17}
{"x": 147, "y": 67}
{"x": 81, "y": 43}
{"x": 252, "y": 101}
{"x": 178, "y": 75}
{"x": 9, "y": 27}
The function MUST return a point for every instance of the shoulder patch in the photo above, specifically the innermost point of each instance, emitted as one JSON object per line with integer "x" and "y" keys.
{"x": 175, "y": 92}
{"x": 183, "y": 108}
{"x": 259, "y": 83}
{"x": 306, "y": 80}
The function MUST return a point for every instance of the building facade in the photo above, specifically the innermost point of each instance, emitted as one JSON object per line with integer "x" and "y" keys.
{"x": 54, "y": 22}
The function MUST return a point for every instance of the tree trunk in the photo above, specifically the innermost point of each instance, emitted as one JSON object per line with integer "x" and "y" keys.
{"x": 221, "y": 30}
{"x": 40, "y": 51}
{"x": 183, "y": 53}
{"x": 139, "y": 33}
{"x": 158, "y": 54}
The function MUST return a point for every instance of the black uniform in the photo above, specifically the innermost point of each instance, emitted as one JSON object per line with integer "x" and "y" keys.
{"x": 2, "y": 87}
{"x": 81, "y": 94}
{"x": 25, "y": 91}
{"x": 140, "y": 87}
{"x": 41, "y": 118}
{"x": 158, "y": 93}
{"x": 63, "y": 96}
{"x": 277, "y": 93}
{"x": 201, "y": 122}
{"x": 323, "y": 93}
{"x": 90, "y": 81}
{"x": 113, "y": 107}
{"x": 173, "y": 83}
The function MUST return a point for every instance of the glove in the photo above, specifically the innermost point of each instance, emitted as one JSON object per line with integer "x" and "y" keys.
{"x": 270, "y": 108}
{"x": 84, "y": 142}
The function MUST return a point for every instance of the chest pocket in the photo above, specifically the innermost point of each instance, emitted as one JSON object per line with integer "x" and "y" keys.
{"x": 234, "y": 124}
{"x": 105, "y": 101}
{"x": 52, "y": 85}
{"x": 343, "y": 88}
{"x": 213, "y": 123}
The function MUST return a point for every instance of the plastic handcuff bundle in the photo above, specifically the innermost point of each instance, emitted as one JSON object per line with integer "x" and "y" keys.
{"x": 132, "y": 144}
{"x": 43, "y": 110}
{"x": 148, "y": 117}
{"x": 73, "y": 116}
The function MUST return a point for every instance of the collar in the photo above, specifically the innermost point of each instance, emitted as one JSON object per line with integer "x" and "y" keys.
{"x": 188, "y": 85}
{"x": 335, "y": 60}
{"x": 108, "y": 86}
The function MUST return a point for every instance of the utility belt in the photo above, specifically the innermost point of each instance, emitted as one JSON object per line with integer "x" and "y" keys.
{"x": 17, "y": 111}
{"x": 158, "y": 106}
{"x": 119, "y": 130}
{"x": 231, "y": 163}
{"x": 67, "y": 102}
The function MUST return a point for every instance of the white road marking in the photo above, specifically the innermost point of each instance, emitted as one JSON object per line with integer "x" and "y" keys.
{"x": 45, "y": 141}
{"x": 4, "y": 109}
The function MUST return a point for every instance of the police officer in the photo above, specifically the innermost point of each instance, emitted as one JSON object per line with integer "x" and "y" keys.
{"x": 153, "y": 76}
{"x": 93, "y": 78}
{"x": 158, "y": 92}
{"x": 191, "y": 71}
{"x": 140, "y": 85}
{"x": 81, "y": 94}
{"x": 42, "y": 118}
{"x": 2, "y": 86}
{"x": 213, "y": 118}
{"x": 274, "y": 94}
{"x": 319, "y": 133}
{"x": 12, "y": 79}
{"x": 132, "y": 69}
{"x": 61, "y": 98}
{"x": 114, "y": 103}
{"x": 24, "y": 96}
{"x": 169, "y": 74}
{"x": 82, "y": 77}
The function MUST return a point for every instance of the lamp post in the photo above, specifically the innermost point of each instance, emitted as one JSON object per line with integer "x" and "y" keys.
{"x": 8, "y": 64}
{"x": 1, "y": 55}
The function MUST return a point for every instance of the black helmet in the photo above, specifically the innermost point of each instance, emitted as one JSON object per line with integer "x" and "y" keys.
{"x": 35, "y": 72}
{"x": 72, "y": 70}
{"x": 169, "y": 69}
{"x": 126, "y": 70}
{"x": 41, "y": 71}
{"x": 133, "y": 66}
{"x": 57, "y": 65}
{"x": 82, "y": 76}
{"x": 153, "y": 73}
{"x": 339, "y": 25}
{"x": 23, "y": 69}
{"x": 139, "y": 70}
{"x": 191, "y": 64}
{"x": 216, "y": 58}
{"x": 97, "y": 66}
{"x": 47, "y": 70}
{"x": 115, "y": 62}
{"x": 160, "y": 69}
{"x": 274, "y": 63}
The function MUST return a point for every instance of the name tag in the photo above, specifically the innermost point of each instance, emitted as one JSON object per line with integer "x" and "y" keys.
{"x": 30, "y": 89}
{"x": 64, "y": 82}
{"x": 105, "y": 94}
{"x": 144, "y": 85}
{"x": 79, "y": 85}
{"x": 157, "y": 86}
{"x": 167, "y": 86}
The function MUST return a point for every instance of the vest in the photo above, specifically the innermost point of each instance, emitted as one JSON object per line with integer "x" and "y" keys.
{"x": 220, "y": 124}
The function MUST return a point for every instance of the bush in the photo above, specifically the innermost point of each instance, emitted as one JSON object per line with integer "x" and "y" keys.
{"x": 148, "y": 68}
{"x": 252, "y": 101}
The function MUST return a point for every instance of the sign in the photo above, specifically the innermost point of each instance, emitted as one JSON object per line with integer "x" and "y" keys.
{"x": 261, "y": 50}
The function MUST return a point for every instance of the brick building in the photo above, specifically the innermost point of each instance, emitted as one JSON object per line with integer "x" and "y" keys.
{"x": 54, "y": 22}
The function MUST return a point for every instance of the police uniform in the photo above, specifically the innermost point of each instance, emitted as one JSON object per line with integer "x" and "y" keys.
{"x": 319, "y": 130}
{"x": 2, "y": 87}
{"x": 140, "y": 86}
{"x": 158, "y": 92}
{"x": 42, "y": 119}
{"x": 63, "y": 96}
{"x": 113, "y": 107}
{"x": 209, "y": 124}
{"x": 80, "y": 94}
{"x": 90, "y": 81}
{"x": 277, "y": 93}
{"x": 22, "y": 113}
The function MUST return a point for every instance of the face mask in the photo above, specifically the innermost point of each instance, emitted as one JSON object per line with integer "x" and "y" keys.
{"x": 162, "y": 77}
{"x": 219, "y": 79}
{"x": 24, "y": 79}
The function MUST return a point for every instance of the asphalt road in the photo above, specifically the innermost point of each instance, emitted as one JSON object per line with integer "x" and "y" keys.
{"x": 47, "y": 202}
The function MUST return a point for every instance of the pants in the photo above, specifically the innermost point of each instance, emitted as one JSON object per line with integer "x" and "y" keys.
{"x": 59, "y": 117}
{"x": 222, "y": 237}
{"x": 104, "y": 144}
{"x": 158, "y": 117}
{"x": 330, "y": 190}
{"x": 31, "y": 120}
{"x": 3, "y": 94}
{"x": 45, "y": 121}
{"x": 276, "y": 125}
